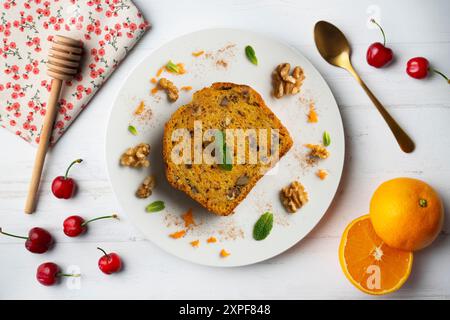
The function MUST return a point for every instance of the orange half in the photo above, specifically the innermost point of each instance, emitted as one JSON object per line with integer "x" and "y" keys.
{"x": 369, "y": 263}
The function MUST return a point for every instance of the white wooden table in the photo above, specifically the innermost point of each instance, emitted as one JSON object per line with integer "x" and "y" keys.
{"x": 311, "y": 268}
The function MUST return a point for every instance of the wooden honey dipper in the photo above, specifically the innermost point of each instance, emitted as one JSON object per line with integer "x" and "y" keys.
{"x": 63, "y": 64}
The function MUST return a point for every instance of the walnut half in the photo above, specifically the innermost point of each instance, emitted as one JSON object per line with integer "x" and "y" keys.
{"x": 318, "y": 151}
{"x": 294, "y": 196}
{"x": 285, "y": 83}
{"x": 146, "y": 187}
{"x": 136, "y": 157}
{"x": 169, "y": 88}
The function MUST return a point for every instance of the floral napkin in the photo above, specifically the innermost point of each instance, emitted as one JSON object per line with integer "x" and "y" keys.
{"x": 108, "y": 29}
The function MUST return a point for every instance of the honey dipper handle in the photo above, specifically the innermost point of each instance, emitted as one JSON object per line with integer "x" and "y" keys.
{"x": 44, "y": 140}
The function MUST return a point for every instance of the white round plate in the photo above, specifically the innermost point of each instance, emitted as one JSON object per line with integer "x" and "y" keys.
{"x": 225, "y": 61}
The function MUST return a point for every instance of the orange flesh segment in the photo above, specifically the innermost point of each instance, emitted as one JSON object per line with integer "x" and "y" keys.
{"x": 364, "y": 252}
{"x": 178, "y": 234}
{"x": 188, "y": 218}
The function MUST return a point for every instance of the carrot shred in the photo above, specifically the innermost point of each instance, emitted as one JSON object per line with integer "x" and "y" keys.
{"x": 195, "y": 243}
{"x": 224, "y": 253}
{"x": 160, "y": 71}
{"x": 322, "y": 174}
{"x": 211, "y": 240}
{"x": 312, "y": 115}
{"x": 153, "y": 80}
{"x": 188, "y": 218}
{"x": 198, "y": 53}
{"x": 140, "y": 108}
{"x": 186, "y": 88}
{"x": 178, "y": 234}
{"x": 154, "y": 90}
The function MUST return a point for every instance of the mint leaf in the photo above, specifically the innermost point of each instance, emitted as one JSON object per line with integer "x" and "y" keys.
{"x": 251, "y": 55}
{"x": 155, "y": 206}
{"x": 263, "y": 226}
{"x": 172, "y": 67}
{"x": 224, "y": 151}
{"x": 326, "y": 140}
{"x": 132, "y": 130}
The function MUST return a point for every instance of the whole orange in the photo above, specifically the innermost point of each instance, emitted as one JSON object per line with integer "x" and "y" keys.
{"x": 406, "y": 213}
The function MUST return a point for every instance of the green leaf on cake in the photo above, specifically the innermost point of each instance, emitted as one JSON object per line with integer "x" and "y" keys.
{"x": 224, "y": 153}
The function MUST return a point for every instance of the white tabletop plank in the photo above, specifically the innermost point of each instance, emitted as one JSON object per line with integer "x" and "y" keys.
{"x": 311, "y": 268}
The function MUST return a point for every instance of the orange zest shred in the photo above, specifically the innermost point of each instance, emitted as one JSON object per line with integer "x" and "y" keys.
{"x": 195, "y": 243}
{"x": 211, "y": 240}
{"x": 140, "y": 108}
{"x": 186, "y": 88}
{"x": 198, "y": 53}
{"x": 154, "y": 90}
{"x": 322, "y": 174}
{"x": 224, "y": 253}
{"x": 188, "y": 218}
{"x": 178, "y": 234}
{"x": 153, "y": 80}
{"x": 312, "y": 115}
{"x": 160, "y": 71}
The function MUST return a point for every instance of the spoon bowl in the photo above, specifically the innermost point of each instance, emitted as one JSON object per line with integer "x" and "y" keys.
{"x": 335, "y": 49}
{"x": 332, "y": 44}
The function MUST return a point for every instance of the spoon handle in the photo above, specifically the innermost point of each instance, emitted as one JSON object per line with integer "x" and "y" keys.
{"x": 404, "y": 141}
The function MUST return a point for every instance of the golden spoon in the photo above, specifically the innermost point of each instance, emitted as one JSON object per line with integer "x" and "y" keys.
{"x": 335, "y": 49}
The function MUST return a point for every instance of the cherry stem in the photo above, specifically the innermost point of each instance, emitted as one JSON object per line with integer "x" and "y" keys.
{"x": 107, "y": 255}
{"x": 441, "y": 74}
{"x": 70, "y": 166}
{"x": 12, "y": 235}
{"x": 382, "y": 31}
{"x": 99, "y": 218}
{"x": 68, "y": 275}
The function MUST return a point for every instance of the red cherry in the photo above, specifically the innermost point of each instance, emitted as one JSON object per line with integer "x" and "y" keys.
{"x": 38, "y": 241}
{"x": 419, "y": 68}
{"x": 109, "y": 262}
{"x": 48, "y": 273}
{"x": 378, "y": 55}
{"x": 64, "y": 187}
{"x": 76, "y": 225}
